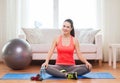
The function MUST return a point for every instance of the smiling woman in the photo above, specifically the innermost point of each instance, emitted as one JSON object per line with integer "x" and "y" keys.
{"x": 65, "y": 55}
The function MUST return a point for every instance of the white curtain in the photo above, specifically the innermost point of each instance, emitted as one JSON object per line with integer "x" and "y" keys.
{"x": 13, "y": 16}
{"x": 2, "y": 23}
{"x": 111, "y": 23}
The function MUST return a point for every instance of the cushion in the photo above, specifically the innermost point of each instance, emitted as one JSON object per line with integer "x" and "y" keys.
{"x": 87, "y": 35}
{"x": 40, "y": 36}
{"x": 36, "y": 48}
{"x": 33, "y": 35}
{"x": 43, "y": 48}
{"x": 88, "y": 48}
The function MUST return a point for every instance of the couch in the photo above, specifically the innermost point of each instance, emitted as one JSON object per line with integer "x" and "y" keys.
{"x": 41, "y": 39}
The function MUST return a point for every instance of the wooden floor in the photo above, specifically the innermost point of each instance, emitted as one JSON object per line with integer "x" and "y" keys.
{"x": 35, "y": 69}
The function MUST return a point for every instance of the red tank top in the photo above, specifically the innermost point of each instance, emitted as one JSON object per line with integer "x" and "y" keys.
{"x": 65, "y": 53}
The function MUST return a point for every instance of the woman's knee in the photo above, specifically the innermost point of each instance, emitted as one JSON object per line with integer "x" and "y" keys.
{"x": 87, "y": 70}
{"x": 83, "y": 69}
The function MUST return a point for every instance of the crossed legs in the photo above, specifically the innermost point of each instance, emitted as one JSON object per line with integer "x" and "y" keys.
{"x": 55, "y": 70}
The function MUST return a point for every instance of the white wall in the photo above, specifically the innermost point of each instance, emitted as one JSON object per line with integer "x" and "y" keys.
{"x": 111, "y": 23}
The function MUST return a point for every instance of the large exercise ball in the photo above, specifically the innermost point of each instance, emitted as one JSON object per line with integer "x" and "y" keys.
{"x": 17, "y": 54}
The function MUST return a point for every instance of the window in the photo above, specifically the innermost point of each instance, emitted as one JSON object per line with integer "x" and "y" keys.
{"x": 41, "y": 13}
{"x": 82, "y": 12}
{"x": 52, "y": 13}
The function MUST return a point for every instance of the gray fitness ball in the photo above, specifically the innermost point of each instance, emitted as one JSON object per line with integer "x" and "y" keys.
{"x": 17, "y": 54}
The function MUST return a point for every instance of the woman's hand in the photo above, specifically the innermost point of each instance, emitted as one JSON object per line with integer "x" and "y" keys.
{"x": 89, "y": 66}
{"x": 45, "y": 64}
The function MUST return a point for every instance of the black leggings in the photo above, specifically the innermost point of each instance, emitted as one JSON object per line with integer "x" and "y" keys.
{"x": 55, "y": 70}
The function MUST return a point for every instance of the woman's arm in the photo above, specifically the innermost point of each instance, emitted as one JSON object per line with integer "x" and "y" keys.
{"x": 50, "y": 52}
{"x": 79, "y": 54}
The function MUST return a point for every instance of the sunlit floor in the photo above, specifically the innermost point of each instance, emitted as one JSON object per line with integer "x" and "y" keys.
{"x": 35, "y": 69}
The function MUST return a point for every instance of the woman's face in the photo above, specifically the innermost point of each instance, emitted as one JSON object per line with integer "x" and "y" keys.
{"x": 66, "y": 28}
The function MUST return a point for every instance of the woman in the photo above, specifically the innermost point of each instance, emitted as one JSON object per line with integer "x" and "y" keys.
{"x": 65, "y": 44}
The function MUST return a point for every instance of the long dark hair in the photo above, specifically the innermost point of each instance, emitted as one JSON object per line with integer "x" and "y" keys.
{"x": 72, "y": 26}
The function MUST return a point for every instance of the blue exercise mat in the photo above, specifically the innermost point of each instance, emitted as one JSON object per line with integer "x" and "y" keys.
{"x": 26, "y": 76}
